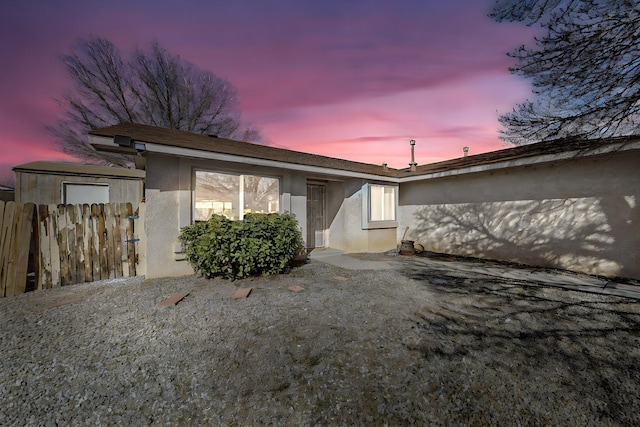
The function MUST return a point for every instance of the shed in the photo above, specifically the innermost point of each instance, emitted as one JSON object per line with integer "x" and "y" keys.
{"x": 70, "y": 183}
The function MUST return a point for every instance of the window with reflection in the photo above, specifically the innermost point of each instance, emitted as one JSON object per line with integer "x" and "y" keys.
{"x": 234, "y": 195}
{"x": 382, "y": 203}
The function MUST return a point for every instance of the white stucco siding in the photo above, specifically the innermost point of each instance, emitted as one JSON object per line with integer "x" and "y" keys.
{"x": 169, "y": 205}
{"x": 578, "y": 214}
{"x": 346, "y": 232}
{"x": 163, "y": 196}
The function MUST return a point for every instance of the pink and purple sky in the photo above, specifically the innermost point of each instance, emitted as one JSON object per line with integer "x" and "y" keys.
{"x": 350, "y": 79}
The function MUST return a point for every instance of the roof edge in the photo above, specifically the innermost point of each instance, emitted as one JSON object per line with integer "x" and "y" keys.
{"x": 62, "y": 168}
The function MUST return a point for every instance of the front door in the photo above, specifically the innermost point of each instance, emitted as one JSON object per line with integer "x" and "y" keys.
{"x": 315, "y": 216}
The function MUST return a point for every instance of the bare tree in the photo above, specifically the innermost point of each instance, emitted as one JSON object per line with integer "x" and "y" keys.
{"x": 585, "y": 71}
{"x": 154, "y": 88}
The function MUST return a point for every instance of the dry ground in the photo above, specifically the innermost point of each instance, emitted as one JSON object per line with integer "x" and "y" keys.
{"x": 398, "y": 347}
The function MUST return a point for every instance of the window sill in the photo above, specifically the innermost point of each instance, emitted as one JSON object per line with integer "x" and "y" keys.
{"x": 373, "y": 225}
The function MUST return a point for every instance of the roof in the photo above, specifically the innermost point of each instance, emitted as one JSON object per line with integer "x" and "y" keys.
{"x": 199, "y": 142}
{"x": 63, "y": 168}
{"x": 570, "y": 147}
{"x": 508, "y": 157}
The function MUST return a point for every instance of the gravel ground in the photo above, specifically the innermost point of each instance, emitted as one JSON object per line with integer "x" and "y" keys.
{"x": 409, "y": 347}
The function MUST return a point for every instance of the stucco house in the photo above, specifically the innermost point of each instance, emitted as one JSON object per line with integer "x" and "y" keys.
{"x": 566, "y": 204}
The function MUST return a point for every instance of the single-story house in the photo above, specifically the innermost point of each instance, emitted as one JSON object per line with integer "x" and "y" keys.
{"x": 566, "y": 204}
{"x": 6, "y": 193}
{"x": 58, "y": 183}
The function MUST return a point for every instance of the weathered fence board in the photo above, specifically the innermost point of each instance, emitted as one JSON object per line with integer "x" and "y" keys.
{"x": 23, "y": 237}
{"x": 87, "y": 241}
{"x": 16, "y": 225}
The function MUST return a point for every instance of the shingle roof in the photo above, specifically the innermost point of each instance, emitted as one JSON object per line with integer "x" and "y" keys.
{"x": 546, "y": 148}
{"x": 188, "y": 140}
{"x": 181, "y": 139}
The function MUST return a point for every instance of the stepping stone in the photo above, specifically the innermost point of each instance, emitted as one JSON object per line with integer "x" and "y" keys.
{"x": 242, "y": 293}
{"x": 173, "y": 299}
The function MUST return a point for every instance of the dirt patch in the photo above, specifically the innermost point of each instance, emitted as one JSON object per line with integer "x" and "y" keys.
{"x": 391, "y": 347}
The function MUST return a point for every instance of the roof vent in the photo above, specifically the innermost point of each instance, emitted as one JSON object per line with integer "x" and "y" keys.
{"x": 121, "y": 140}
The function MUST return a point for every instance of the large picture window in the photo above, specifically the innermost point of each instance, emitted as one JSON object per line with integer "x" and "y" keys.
{"x": 234, "y": 195}
{"x": 379, "y": 206}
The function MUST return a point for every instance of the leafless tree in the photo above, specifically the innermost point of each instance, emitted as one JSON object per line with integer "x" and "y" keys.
{"x": 585, "y": 71}
{"x": 155, "y": 88}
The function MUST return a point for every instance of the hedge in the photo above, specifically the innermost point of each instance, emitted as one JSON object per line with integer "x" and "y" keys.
{"x": 261, "y": 244}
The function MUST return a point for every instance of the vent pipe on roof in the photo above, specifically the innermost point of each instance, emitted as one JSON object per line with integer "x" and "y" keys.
{"x": 413, "y": 163}
{"x": 465, "y": 150}
{"x": 384, "y": 166}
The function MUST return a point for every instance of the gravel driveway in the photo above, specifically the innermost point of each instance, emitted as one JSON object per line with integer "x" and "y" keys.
{"x": 408, "y": 346}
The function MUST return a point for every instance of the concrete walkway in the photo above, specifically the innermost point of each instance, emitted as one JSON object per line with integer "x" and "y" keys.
{"x": 350, "y": 262}
{"x": 479, "y": 269}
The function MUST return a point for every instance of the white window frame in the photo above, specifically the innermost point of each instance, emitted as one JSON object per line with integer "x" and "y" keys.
{"x": 67, "y": 185}
{"x": 367, "y": 222}
{"x": 241, "y": 177}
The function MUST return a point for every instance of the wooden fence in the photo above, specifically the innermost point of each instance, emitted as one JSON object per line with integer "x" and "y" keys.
{"x": 71, "y": 244}
{"x": 16, "y": 226}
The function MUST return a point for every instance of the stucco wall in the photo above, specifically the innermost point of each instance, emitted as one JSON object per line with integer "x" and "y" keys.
{"x": 163, "y": 194}
{"x": 580, "y": 214}
{"x": 345, "y": 229}
{"x": 169, "y": 202}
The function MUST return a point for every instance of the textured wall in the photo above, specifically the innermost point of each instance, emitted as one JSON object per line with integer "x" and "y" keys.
{"x": 168, "y": 206}
{"x": 579, "y": 214}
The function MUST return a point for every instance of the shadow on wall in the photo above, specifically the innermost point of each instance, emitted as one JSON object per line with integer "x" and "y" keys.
{"x": 590, "y": 235}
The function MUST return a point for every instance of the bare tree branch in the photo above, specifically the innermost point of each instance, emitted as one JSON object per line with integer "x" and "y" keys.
{"x": 585, "y": 72}
{"x": 154, "y": 88}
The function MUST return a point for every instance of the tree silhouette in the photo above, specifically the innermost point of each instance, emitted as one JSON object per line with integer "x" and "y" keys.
{"x": 154, "y": 88}
{"x": 585, "y": 71}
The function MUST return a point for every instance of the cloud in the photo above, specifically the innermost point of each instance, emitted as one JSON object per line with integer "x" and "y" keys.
{"x": 442, "y": 120}
{"x": 329, "y": 76}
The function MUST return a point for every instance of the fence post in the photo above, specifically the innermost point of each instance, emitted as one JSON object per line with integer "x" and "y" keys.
{"x": 6, "y": 227}
{"x": 141, "y": 235}
{"x": 131, "y": 247}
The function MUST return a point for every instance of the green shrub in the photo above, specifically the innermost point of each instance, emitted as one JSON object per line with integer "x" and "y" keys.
{"x": 261, "y": 244}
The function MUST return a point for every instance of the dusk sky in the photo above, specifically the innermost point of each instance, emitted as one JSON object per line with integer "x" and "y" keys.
{"x": 350, "y": 79}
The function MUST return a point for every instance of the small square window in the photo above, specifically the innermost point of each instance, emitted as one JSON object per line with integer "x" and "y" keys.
{"x": 382, "y": 202}
{"x": 379, "y": 206}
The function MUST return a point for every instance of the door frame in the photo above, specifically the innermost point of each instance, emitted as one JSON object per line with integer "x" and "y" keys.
{"x": 312, "y": 229}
